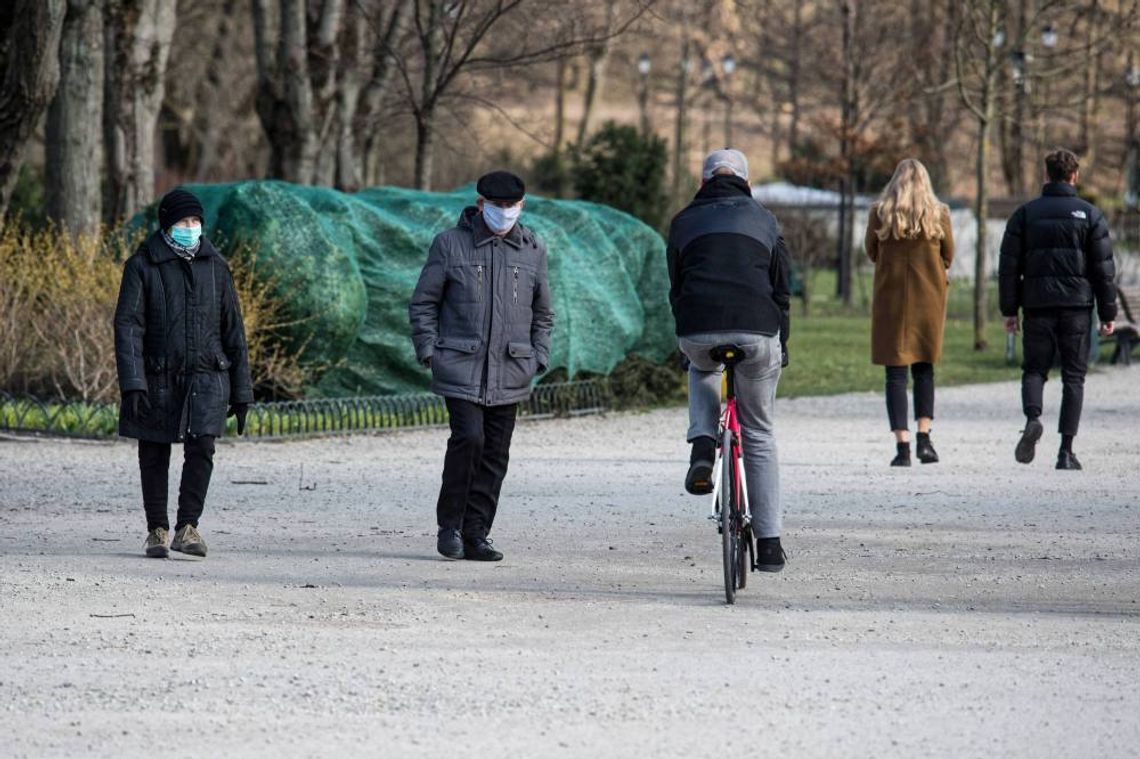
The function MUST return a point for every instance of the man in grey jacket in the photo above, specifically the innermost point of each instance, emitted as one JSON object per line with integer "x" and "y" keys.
{"x": 481, "y": 321}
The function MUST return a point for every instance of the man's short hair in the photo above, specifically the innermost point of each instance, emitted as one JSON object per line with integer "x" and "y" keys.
{"x": 1061, "y": 165}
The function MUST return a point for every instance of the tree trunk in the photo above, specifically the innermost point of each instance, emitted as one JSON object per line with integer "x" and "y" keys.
{"x": 846, "y": 127}
{"x": 219, "y": 60}
{"x": 680, "y": 146}
{"x": 794, "y": 81}
{"x": 425, "y": 148}
{"x": 370, "y": 110}
{"x": 981, "y": 181}
{"x": 595, "y": 80}
{"x": 1086, "y": 141}
{"x": 30, "y": 51}
{"x": 136, "y": 45}
{"x": 73, "y": 149}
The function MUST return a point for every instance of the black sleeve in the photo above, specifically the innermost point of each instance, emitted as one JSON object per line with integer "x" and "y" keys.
{"x": 1101, "y": 268}
{"x": 234, "y": 342}
{"x": 1011, "y": 264}
{"x": 130, "y": 327}
{"x": 781, "y": 288}
{"x": 673, "y": 259}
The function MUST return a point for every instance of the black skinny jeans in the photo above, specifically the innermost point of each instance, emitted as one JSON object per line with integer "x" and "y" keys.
{"x": 1064, "y": 331}
{"x": 474, "y": 467}
{"x": 923, "y": 373}
{"x": 154, "y": 465}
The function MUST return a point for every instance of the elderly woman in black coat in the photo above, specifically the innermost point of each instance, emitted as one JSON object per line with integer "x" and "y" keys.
{"x": 183, "y": 364}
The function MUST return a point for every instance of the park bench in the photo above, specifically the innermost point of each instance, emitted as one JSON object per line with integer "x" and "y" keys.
{"x": 1127, "y": 331}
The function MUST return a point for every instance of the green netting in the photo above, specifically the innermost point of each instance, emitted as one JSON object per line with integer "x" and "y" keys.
{"x": 346, "y": 265}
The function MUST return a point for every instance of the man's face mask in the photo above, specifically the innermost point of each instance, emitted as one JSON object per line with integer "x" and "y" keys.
{"x": 187, "y": 237}
{"x": 499, "y": 219}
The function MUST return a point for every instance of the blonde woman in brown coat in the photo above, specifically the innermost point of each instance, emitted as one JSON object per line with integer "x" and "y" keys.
{"x": 911, "y": 244}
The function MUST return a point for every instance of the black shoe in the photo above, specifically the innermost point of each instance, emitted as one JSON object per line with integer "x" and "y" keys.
{"x": 480, "y": 549}
{"x": 1027, "y": 446}
{"x": 449, "y": 543}
{"x": 924, "y": 450}
{"x": 769, "y": 555}
{"x": 902, "y": 456}
{"x": 1067, "y": 460}
{"x": 699, "y": 479}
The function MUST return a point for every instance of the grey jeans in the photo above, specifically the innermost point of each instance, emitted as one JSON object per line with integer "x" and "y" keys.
{"x": 756, "y": 378}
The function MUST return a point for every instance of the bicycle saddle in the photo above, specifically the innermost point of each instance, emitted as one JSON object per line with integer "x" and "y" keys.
{"x": 728, "y": 354}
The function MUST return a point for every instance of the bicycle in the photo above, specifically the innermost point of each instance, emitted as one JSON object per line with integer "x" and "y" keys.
{"x": 730, "y": 485}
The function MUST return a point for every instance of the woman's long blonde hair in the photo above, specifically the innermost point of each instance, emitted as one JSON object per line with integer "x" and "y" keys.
{"x": 908, "y": 208}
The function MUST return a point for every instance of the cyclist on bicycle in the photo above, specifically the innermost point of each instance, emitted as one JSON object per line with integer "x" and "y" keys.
{"x": 728, "y": 270}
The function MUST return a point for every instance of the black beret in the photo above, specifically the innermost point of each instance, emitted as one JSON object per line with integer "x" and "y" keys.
{"x": 501, "y": 185}
{"x": 176, "y": 205}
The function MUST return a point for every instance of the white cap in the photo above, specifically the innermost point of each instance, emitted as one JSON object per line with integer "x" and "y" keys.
{"x": 730, "y": 159}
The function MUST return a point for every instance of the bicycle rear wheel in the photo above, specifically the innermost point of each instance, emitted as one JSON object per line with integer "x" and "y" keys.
{"x": 729, "y": 535}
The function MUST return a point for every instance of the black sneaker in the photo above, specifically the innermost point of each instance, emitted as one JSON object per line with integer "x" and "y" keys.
{"x": 699, "y": 479}
{"x": 1027, "y": 446}
{"x": 1067, "y": 460}
{"x": 449, "y": 544}
{"x": 770, "y": 555}
{"x": 924, "y": 450}
{"x": 480, "y": 549}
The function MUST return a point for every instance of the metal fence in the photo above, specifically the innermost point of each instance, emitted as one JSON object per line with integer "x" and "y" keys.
{"x": 292, "y": 419}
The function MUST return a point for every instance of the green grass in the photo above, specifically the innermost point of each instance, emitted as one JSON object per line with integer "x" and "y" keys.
{"x": 830, "y": 348}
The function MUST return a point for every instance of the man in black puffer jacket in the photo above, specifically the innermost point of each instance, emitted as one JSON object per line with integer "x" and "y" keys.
{"x": 1056, "y": 262}
{"x": 728, "y": 271}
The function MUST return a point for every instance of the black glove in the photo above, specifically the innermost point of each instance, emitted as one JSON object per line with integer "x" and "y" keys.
{"x": 241, "y": 411}
{"x": 137, "y": 402}
{"x": 784, "y": 357}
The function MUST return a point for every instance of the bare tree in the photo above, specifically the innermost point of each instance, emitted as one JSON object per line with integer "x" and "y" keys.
{"x": 599, "y": 56}
{"x": 976, "y": 56}
{"x": 74, "y": 149}
{"x": 30, "y": 52}
{"x": 137, "y": 36}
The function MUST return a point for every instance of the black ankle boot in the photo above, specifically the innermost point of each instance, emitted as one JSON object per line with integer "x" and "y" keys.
{"x": 924, "y": 450}
{"x": 902, "y": 457}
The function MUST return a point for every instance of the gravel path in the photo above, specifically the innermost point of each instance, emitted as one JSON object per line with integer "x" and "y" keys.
{"x": 972, "y": 608}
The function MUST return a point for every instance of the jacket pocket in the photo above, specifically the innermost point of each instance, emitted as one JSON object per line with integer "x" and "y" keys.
{"x": 520, "y": 368}
{"x": 455, "y": 360}
{"x": 223, "y": 362}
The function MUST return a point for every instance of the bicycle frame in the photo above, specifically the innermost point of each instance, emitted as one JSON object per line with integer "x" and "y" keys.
{"x": 730, "y": 421}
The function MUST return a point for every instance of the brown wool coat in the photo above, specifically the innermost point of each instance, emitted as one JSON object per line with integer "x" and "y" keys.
{"x": 908, "y": 310}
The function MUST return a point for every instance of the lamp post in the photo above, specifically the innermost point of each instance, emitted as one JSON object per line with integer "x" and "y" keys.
{"x": 728, "y": 64}
{"x": 643, "y": 67}
{"x": 1132, "y": 192}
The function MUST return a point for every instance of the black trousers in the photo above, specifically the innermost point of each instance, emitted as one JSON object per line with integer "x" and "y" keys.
{"x": 1047, "y": 333}
{"x": 474, "y": 466}
{"x": 154, "y": 465}
{"x": 923, "y": 374}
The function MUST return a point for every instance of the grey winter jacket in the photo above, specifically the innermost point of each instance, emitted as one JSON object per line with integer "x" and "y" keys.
{"x": 481, "y": 312}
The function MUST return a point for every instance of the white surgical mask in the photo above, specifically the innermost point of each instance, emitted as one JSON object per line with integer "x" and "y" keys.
{"x": 499, "y": 219}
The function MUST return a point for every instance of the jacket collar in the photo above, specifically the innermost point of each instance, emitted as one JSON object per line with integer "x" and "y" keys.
{"x": 1061, "y": 189}
{"x": 159, "y": 252}
{"x": 481, "y": 234}
{"x": 724, "y": 186}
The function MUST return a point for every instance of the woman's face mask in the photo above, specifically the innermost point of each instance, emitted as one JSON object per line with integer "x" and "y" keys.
{"x": 499, "y": 219}
{"x": 186, "y": 236}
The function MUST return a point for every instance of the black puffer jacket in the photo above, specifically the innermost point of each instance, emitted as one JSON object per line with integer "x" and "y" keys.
{"x": 1057, "y": 253}
{"x": 179, "y": 336}
{"x": 728, "y": 265}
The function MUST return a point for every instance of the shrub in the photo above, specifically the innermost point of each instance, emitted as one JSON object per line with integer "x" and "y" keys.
{"x": 625, "y": 169}
{"x": 57, "y": 305}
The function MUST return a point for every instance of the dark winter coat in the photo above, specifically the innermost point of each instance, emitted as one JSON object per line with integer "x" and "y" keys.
{"x": 1056, "y": 253}
{"x": 179, "y": 336}
{"x": 481, "y": 312}
{"x": 728, "y": 264}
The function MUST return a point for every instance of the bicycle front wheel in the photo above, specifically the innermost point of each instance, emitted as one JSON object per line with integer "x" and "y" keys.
{"x": 729, "y": 535}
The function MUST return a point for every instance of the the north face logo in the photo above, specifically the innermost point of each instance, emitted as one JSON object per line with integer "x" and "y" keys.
{"x": 1079, "y": 215}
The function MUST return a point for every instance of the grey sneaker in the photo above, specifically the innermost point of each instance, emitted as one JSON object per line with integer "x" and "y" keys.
{"x": 188, "y": 540}
{"x": 155, "y": 545}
